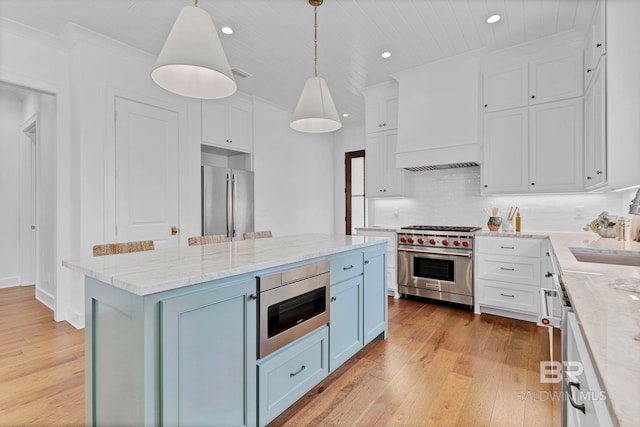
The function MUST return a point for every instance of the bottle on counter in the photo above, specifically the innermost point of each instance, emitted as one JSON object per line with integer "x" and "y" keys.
{"x": 518, "y": 222}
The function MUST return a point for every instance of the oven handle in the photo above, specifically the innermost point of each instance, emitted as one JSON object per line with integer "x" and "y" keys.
{"x": 431, "y": 252}
{"x": 545, "y": 318}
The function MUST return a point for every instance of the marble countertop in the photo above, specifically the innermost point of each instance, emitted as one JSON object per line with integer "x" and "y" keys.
{"x": 606, "y": 301}
{"x": 149, "y": 272}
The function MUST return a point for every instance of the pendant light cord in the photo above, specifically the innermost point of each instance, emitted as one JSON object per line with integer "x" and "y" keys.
{"x": 315, "y": 41}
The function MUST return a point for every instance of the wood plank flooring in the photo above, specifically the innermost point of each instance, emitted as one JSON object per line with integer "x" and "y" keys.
{"x": 440, "y": 366}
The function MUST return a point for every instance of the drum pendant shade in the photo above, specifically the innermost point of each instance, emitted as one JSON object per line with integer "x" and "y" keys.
{"x": 192, "y": 61}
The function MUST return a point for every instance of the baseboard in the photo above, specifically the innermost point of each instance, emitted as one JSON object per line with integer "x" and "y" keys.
{"x": 9, "y": 282}
{"x": 75, "y": 319}
{"x": 46, "y": 298}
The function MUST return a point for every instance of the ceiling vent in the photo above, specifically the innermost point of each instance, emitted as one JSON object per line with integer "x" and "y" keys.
{"x": 446, "y": 166}
{"x": 240, "y": 73}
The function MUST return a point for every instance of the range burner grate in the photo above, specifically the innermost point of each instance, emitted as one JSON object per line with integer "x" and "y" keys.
{"x": 441, "y": 228}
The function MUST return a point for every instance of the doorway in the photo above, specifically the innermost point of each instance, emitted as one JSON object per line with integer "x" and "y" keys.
{"x": 29, "y": 239}
{"x": 355, "y": 199}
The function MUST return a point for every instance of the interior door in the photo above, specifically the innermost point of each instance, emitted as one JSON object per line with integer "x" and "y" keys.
{"x": 147, "y": 173}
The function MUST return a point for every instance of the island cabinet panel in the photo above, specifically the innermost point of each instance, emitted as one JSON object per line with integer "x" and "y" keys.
{"x": 346, "y": 332}
{"x": 286, "y": 375}
{"x": 375, "y": 295}
{"x": 208, "y": 356}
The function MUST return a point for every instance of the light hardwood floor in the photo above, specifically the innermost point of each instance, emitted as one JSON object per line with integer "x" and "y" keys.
{"x": 440, "y": 366}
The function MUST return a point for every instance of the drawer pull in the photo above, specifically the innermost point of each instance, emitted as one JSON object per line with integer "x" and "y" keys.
{"x": 549, "y": 274}
{"x": 507, "y": 247}
{"x": 507, "y": 295}
{"x": 333, "y": 299}
{"x": 579, "y": 406}
{"x": 348, "y": 268}
{"x": 507, "y": 269}
{"x": 297, "y": 372}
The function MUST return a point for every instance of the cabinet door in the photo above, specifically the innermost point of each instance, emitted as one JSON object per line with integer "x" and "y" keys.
{"x": 555, "y": 77}
{"x": 596, "y": 46}
{"x": 505, "y": 86}
{"x": 208, "y": 357}
{"x": 381, "y": 111}
{"x": 375, "y": 296}
{"x": 240, "y": 126}
{"x": 595, "y": 159}
{"x": 345, "y": 328}
{"x": 555, "y": 146}
{"x": 505, "y": 164}
{"x": 214, "y": 123}
{"x": 382, "y": 177}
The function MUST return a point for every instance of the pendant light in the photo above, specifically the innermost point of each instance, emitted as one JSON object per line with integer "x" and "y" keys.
{"x": 315, "y": 112}
{"x": 192, "y": 61}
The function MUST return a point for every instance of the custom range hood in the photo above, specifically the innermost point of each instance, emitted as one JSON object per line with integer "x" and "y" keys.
{"x": 438, "y": 114}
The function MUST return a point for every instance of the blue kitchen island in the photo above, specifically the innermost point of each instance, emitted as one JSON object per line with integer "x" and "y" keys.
{"x": 171, "y": 335}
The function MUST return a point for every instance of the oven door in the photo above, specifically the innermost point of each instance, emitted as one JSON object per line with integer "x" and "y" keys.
{"x": 441, "y": 270}
{"x": 291, "y": 311}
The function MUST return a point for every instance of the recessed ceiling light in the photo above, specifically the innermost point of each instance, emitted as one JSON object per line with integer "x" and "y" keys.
{"x": 227, "y": 30}
{"x": 493, "y": 19}
{"x": 345, "y": 114}
{"x": 386, "y": 55}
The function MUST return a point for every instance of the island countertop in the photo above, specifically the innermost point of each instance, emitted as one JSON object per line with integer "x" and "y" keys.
{"x": 149, "y": 272}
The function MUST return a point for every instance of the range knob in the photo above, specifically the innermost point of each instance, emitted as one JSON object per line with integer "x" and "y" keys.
{"x": 456, "y": 243}
{"x": 465, "y": 244}
{"x": 445, "y": 242}
{"x": 402, "y": 240}
{"x": 410, "y": 240}
{"x": 432, "y": 241}
{"x": 420, "y": 241}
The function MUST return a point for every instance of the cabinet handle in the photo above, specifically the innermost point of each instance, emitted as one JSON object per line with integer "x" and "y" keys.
{"x": 598, "y": 44}
{"x": 348, "y": 268}
{"x": 507, "y": 269}
{"x": 293, "y": 374}
{"x": 507, "y": 247}
{"x": 549, "y": 274}
{"x": 579, "y": 406}
{"x": 598, "y": 172}
{"x": 333, "y": 299}
{"x": 485, "y": 105}
{"x": 589, "y": 70}
{"x": 533, "y": 97}
{"x": 253, "y": 296}
{"x": 507, "y": 295}
{"x": 533, "y": 183}
{"x": 589, "y": 177}
{"x": 366, "y": 261}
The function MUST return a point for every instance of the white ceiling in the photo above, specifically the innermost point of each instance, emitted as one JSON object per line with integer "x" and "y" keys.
{"x": 273, "y": 39}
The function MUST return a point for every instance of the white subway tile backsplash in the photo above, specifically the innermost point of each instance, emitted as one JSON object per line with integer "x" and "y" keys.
{"x": 452, "y": 197}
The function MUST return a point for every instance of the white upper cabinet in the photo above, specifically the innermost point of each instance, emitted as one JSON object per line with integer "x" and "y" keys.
{"x": 595, "y": 135}
{"x": 382, "y": 177}
{"x": 506, "y": 86}
{"x": 555, "y": 77}
{"x": 228, "y": 124}
{"x": 596, "y": 43}
{"x": 381, "y": 107}
{"x": 555, "y": 146}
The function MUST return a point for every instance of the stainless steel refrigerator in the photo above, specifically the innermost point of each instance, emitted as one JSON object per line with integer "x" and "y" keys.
{"x": 227, "y": 202}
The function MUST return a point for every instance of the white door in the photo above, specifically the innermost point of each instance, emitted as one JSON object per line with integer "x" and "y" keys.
{"x": 147, "y": 173}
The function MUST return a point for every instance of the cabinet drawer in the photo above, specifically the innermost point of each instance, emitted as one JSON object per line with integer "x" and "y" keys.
{"x": 345, "y": 266}
{"x": 509, "y": 246}
{"x": 287, "y": 375}
{"x": 513, "y": 297}
{"x": 509, "y": 269}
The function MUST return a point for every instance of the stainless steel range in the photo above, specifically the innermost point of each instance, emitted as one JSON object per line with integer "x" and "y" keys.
{"x": 436, "y": 262}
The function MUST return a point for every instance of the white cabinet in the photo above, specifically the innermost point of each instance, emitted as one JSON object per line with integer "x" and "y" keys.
{"x": 228, "y": 124}
{"x": 595, "y": 135}
{"x": 536, "y": 149}
{"x": 505, "y": 168}
{"x": 509, "y": 272}
{"x": 585, "y": 401}
{"x": 381, "y": 107}
{"x": 596, "y": 43}
{"x": 532, "y": 79}
{"x": 555, "y": 76}
{"x": 382, "y": 179}
{"x": 555, "y": 146}
{"x": 505, "y": 86}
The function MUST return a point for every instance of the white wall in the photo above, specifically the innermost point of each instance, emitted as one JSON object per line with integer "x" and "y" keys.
{"x": 10, "y": 157}
{"x": 294, "y": 177}
{"x": 452, "y": 197}
{"x": 350, "y": 138}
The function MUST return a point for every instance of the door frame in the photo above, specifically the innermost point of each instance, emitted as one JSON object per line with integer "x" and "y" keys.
{"x": 348, "y": 156}
{"x": 30, "y": 130}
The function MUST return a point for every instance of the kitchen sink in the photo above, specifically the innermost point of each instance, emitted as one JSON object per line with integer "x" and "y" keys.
{"x": 606, "y": 256}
